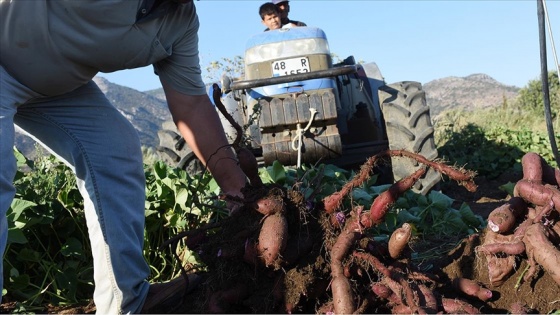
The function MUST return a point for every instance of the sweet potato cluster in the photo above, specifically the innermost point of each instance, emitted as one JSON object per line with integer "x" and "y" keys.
{"x": 527, "y": 226}
{"x": 356, "y": 273}
{"x": 353, "y": 255}
{"x": 399, "y": 285}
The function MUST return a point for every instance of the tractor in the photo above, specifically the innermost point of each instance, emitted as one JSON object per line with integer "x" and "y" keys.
{"x": 297, "y": 106}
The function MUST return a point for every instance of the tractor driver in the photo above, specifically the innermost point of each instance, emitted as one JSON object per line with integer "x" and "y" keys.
{"x": 284, "y": 8}
{"x": 270, "y": 16}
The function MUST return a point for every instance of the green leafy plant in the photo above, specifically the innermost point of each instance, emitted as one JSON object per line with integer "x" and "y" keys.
{"x": 492, "y": 152}
{"x": 492, "y": 141}
{"x": 48, "y": 256}
{"x": 433, "y": 215}
{"x": 176, "y": 202}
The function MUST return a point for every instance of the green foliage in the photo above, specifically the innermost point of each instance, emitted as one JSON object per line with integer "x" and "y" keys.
{"x": 531, "y": 96}
{"x": 431, "y": 215}
{"x": 493, "y": 152}
{"x": 232, "y": 67}
{"x": 48, "y": 256}
{"x": 477, "y": 150}
{"x": 175, "y": 202}
{"x": 493, "y": 141}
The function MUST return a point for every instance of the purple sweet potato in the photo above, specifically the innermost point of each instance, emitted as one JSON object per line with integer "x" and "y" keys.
{"x": 536, "y": 193}
{"x": 536, "y": 169}
{"x": 542, "y": 251}
{"x": 502, "y": 219}
{"x": 472, "y": 288}
{"x": 272, "y": 238}
{"x": 399, "y": 240}
{"x": 269, "y": 205}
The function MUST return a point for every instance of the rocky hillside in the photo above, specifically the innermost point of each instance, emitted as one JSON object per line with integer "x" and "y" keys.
{"x": 157, "y": 93}
{"x": 147, "y": 110}
{"x": 472, "y": 92}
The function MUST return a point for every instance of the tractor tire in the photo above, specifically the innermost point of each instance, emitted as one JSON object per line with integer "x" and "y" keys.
{"x": 174, "y": 151}
{"x": 409, "y": 127}
{"x": 192, "y": 165}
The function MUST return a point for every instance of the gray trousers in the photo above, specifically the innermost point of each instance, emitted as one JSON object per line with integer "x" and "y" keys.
{"x": 101, "y": 146}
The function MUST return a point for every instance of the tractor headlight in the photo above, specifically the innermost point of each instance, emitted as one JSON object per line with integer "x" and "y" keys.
{"x": 286, "y": 49}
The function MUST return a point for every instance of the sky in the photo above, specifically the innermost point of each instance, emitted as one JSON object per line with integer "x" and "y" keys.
{"x": 408, "y": 40}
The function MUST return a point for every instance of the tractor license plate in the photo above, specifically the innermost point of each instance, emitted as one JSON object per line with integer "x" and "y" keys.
{"x": 290, "y": 66}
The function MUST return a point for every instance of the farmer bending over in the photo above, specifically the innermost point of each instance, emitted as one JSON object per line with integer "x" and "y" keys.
{"x": 48, "y": 60}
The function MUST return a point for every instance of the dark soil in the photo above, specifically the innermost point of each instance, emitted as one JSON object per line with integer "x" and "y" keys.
{"x": 299, "y": 281}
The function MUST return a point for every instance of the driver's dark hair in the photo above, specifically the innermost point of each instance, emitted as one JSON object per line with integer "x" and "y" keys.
{"x": 268, "y": 8}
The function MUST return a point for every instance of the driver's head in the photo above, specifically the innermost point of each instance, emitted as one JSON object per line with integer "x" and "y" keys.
{"x": 283, "y": 6}
{"x": 270, "y": 16}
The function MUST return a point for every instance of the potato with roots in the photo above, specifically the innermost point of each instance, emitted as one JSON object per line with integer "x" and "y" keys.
{"x": 537, "y": 194}
{"x": 499, "y": 267}
{"x": 284, "y": 232}
{"x": 541, "y": 251}
{"x": 536, "y": 169}
{"x": 501, "y": 250}
{"x": 537, "y": 199}
{"x": 272, "y": 238}
{"x": 343, "y": 299}
{"x": 399, "y": 240}
{"x": 503, "y": 219}
{"x": 472, "y": 288}
{"x": 539, "y": 187}
{"x": 540, "y": 182}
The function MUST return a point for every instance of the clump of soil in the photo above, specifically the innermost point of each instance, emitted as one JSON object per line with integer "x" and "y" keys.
{"x": 299, "y": 278}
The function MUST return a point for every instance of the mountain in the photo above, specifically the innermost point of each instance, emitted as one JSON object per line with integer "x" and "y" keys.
{"x": 157, "y": 93}
{"x": 148, "y": 110}
{"x": 472, "y": 92}
{"x": 146, "y": 113}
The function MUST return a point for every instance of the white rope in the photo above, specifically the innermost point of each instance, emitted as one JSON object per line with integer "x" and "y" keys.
{"x": 299, "y": 135}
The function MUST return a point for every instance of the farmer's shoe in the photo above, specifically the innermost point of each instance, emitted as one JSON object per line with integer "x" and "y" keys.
{"x": 168, "y": 297}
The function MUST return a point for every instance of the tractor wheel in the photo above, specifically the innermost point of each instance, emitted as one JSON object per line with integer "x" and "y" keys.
{"x": 409, "y": 127}
{"x": 192, "y": 164}
{"x": 174, "y": 151}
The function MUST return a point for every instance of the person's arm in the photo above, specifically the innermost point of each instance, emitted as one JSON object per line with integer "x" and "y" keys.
{"x": 199, "y": 124}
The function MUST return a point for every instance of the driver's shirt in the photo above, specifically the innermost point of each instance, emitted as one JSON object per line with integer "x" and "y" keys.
{"x": 56, "y": 46}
